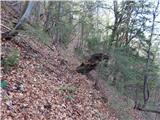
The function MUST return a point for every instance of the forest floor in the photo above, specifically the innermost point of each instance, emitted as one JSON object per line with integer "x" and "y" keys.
{"x": 45, "y": 86}
{"x": 50, "y": 90}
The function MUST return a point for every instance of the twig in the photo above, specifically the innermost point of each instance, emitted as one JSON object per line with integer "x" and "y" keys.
{"x": 5, "y": 26}
{"x": 140, "y": 108}
{"x": 149, "y": 110}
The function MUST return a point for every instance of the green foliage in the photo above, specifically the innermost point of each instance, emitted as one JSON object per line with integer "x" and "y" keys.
{"x": 4, "y": 84}
{"x": 65, "y": 33}
{"x": 131, "y": 67}
{"x": 38, "y": 31}
{"x": 69, "y": 97}
{"x": 93, "y": 44}
{"x": 79, "y": 52}
{"x": 127, "y": 69}
{"x": 11, "y": 60}
{"x": 68, "y": 88}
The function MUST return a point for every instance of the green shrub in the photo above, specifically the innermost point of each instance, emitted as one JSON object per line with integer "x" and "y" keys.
{"x": 126, "y": 73}
{"x": 65, "y": 30}
{"x": 79, "y": 52}
{"x": 93, "y": 43}
{"x": 11, "y": 60}
{"x": 38, "y": 31}
{"x": 68, "y": 88}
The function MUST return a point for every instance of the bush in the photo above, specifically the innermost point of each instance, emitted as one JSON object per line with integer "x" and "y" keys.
{"x": 69, "y": 90}
{"x": 38, "y": 31}
{"x": 79, "y": 52}
{"x": 11, "y": 60}
{"x": 93, "y": 44}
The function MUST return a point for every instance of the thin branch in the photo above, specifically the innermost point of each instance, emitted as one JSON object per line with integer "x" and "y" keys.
{"x": 148, "y": 110}
{"x": 5, "y": 26}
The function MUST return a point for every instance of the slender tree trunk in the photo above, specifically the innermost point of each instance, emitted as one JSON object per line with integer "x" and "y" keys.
{"x": 57, "y": 25}
{"x": 48, "y": 24}
{"x": 145, "y": 86}
{"x": 129, "y": 12}
{"x": 82, "y": 34}
{"x": 70, "y": 16}
{"x": 115, "y": 27}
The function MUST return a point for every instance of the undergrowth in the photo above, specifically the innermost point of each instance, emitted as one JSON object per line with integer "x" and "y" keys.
{"x": 11, "y": 60}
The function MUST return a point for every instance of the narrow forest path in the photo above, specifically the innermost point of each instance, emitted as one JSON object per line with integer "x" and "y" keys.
{"x": 69, "y": 53}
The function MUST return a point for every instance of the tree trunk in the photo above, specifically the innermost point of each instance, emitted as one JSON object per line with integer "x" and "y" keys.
{"x": 57, "y": 25}
{"x": 115, "y": 23}
{"x": 145, "y": 86}
{"x": 26, "y": 15}
{"x": 24, "y": 18}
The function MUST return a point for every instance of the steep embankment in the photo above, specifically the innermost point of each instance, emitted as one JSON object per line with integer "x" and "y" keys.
{"x": 42, "y": 86}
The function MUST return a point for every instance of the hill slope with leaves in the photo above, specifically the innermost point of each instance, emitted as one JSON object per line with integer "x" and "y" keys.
{"x": 42, "y": 87}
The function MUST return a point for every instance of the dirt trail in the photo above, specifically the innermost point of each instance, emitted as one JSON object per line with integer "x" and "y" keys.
{"x": 106, "y": 93}
{"x": 69, "y": 54}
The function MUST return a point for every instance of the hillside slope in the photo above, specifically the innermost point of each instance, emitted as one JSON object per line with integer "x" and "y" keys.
{"x": 43, "y": 86}
{"x": 50, "y": 89}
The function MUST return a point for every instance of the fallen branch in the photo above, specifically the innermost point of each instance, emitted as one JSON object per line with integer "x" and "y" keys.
{"x": 149, "y": 110}
{"x": 146, "y": 110}
{"x": 5, "y": 27}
